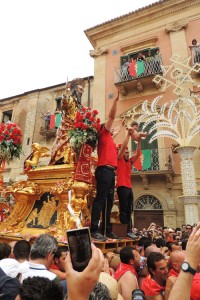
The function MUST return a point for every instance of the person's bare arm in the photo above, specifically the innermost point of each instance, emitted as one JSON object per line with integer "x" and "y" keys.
{"x": 119, "y": 128}
{"x": 124, "y": 145}
{"x": 112, "y": 114}
{"x": 169, "y": 284}
{"x": 128, "y": 283}
{"x": 61, "y": 275}
{"x": 137, "y": 152}
{"x": 81, "y": 284}
{"x": 182, "y": 286}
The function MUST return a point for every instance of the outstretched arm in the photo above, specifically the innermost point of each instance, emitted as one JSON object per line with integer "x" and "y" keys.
{"x": 112, "y": 113}
{"x": 124, "y": 145}
{"x": 137, "y": 152}
{"x": 119, "y": 128}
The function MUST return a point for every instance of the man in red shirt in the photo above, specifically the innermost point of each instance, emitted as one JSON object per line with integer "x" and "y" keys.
{"x": 126, "y": 273}
{"x": 153, "y": 285}
{"x": 124, "y": 186}
{"x": 105, "y": 178}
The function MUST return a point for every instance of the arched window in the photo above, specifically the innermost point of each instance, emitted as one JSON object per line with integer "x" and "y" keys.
{"x": 148, "y": 202}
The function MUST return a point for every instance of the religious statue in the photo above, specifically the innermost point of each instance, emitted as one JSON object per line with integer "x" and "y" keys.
{"x": 71, "y": 103}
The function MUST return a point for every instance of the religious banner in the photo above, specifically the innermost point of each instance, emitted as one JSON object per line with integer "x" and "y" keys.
{"x": 83, "y": 170}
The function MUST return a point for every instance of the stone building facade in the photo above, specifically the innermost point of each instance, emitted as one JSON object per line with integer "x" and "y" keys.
{"x": 166, "y": 29}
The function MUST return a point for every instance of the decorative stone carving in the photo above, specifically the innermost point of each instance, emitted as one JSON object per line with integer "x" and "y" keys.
{"x": 98, "y": 52}
{"x": 176, "y": 26}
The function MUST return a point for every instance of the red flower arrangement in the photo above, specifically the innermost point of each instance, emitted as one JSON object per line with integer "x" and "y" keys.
{"x": 86, "y": 128}
{"x": 10, "y": 141}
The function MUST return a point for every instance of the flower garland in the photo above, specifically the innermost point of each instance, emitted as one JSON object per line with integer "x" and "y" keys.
{"x": 10, "y": 141}
{"x": 86, "y": 129}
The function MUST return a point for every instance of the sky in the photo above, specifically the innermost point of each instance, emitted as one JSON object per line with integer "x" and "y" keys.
{"x": 43, "y": 41}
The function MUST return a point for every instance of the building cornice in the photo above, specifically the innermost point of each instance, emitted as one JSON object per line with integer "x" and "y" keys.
{"x": 160, "y": 10}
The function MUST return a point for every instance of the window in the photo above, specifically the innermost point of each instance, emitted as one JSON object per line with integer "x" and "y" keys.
{"x": 7, "y": 116}
{"x": 58, "y": 103}
{"x": 148, "y": 202}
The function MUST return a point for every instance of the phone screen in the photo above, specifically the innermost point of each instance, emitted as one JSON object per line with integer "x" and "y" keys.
{"x": 79, "y": 243}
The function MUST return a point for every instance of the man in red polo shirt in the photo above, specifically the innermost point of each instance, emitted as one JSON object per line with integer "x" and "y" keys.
{"x": 105, "y": 178}
{"x": 124, "y": 186}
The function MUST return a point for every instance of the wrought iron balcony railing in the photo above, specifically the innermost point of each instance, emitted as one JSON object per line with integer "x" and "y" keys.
{"x": 151, "y": 67}
{"x": 155, "y": 160}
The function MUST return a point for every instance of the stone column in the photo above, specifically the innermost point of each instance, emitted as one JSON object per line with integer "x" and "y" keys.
{"x": 190, "y": 196}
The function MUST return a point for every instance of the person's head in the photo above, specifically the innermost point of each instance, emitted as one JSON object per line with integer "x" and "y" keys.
{"x": 157, "y": 267}
{"x": 194, "y": 42}
{"x": 130, "y": 256}
{"x": 40, "y": 288}
{"x": 5, "y": 250}
{"x": 44, "y": 248}
{"x": 177, "y": 238}
{"x": 149, "y": 53}
{"x": 176, "y": 259}
{"x": 188, "y": 229}
{"x": 21, "y": 250}
{"x": 134, "y": 125}
{"x": 59, "y": 258}
{"x": 160, "y": 242}
{"x": 100, "y": 291}
{"x": 150, "y": 249}
{"x": 126, "y": 155}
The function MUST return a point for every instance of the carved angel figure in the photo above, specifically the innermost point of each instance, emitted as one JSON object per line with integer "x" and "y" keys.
{"x": 33, "y": 159}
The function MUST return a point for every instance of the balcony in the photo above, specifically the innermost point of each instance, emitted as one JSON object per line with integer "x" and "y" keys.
{"x": 50, "y": 125}
{"x": 159, "y": 163}
{"x": 127, "y": 80}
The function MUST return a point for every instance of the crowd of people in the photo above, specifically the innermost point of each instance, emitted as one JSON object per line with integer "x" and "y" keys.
{"x": 164, "y": 264}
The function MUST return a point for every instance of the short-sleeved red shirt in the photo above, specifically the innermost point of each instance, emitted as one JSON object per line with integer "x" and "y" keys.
{"x": 124, "y": 173}
{"x": 107, "y": 149}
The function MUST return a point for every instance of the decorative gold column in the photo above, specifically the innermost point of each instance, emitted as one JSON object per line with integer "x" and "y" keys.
{"x": 190, "y": 196}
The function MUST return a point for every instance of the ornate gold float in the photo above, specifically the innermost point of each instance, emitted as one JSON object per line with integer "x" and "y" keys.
{"x": 56, "y": 197}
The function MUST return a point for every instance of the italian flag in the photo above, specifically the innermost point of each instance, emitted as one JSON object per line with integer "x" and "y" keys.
{"x": 143, "y": 162}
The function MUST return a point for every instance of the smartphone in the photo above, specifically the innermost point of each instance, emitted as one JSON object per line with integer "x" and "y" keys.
{"x": 79, "y": 244}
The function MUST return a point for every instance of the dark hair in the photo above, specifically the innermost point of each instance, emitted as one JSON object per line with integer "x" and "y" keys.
{"x": 152, "y": 258}
{"x": 194, "y": 42}
{"x": 160, "y": 243}
{"x": 126, "y": 254}
{"x": 177, "y": 229}
{"x": 134, "y": 123}
{"x": 100, "y": 292}
{"x": 22, "y": 250}
{"x": 5, "y": 250}
{"x": 40, "y": 288}
{"x": 59, "y": 251}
